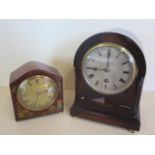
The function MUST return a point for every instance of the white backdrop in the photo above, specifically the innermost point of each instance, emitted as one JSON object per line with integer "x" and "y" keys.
{"x": 55, "y": 42}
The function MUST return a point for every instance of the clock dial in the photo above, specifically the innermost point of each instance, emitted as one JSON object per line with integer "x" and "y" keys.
{"x": 37, "y": 92}
{"x": 109, "y": 68}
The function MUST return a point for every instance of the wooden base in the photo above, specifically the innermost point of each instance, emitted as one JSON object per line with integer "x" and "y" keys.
{"x": 130, "y": 124}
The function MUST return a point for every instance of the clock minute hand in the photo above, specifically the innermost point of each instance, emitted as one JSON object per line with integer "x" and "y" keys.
{"x": 36, "y": 100}
{"x": 38, "y": 94}
{"x": 107, "y": 65}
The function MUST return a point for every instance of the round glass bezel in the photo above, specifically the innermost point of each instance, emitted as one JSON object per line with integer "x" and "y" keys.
{"x": 131, "y": 60}
{"x": 19, "y": 98}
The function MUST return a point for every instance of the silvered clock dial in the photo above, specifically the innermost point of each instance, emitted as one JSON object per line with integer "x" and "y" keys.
{"x": 109, "y": 68}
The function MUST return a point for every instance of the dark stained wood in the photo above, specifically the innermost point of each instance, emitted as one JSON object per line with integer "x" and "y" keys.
{"x": 128, "y": 123}
{"x": 120, "y": 109}
{"x": 27, "y": 70}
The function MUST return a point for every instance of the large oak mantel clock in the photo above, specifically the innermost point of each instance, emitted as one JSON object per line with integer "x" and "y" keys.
{"x": 109, "y": 71}
{"x": 36, "y": 89}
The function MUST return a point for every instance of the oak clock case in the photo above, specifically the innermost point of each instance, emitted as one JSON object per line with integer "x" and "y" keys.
{"x": 36, "y": 89}
{"x": 109, "y": 70}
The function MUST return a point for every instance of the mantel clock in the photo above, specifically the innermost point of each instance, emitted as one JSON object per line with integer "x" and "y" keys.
{"x": 109, "y": 71}
{"x": 36, "y": 89}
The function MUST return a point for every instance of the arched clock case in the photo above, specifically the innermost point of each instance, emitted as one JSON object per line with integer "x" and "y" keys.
{"x": 109, "y": 71}
{"x": 36, "y": 90}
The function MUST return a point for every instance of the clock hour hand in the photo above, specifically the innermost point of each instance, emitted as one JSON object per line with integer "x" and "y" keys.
{"x": 93, "y": 68}
{"x": 102, "y": 69}
{"x": 96, "y": 69}
{"x": 42, "y": 92}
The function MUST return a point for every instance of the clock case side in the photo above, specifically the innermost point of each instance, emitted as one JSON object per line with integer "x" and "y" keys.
{"x": 25, "y": 71}
{"x": 121, "y": 109}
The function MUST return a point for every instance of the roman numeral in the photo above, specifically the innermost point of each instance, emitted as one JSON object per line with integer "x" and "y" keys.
{"x": 92, "y": 59}
{"x": 29, "y": 83}
{"x": 96, "y": 83}
{"x": 125, "y": 62}
{"x": 37, "y": 81}
{"x": 105, "y": 86}
{"x": 49, "y": 85}
{"x": 122, "y": 80}
{"x": 109, "y": 53}
{"x": 33, "y": 103}
{"x": 99, "y": 53}
{"x": 26, "y": 101}
{"x": 106, "y": 81}
{"x": 50, "y": 97}
{"x": 118, "y": 55}
{"x": 115, "y": 86}
{"x": 91, "y": 75}
{"x": 126, "y": 72}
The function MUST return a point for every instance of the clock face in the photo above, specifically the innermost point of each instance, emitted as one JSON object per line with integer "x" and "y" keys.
{"x": 109, "y": 68}
{"x": 37, "y": 92}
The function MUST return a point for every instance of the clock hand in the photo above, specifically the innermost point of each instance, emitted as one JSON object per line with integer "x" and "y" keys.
{"x": 107, "y": 65}
{"x": 42, "y": 92}
{"x": 103, "y": 69}
{"x": 37, "y": 97}
{"x": 93, "y": 68}
{"x": 96, "y": 69}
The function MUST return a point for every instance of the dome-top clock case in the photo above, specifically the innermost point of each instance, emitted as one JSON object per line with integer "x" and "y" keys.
{"x": 109, "y": 71}
{"x": 36, "y": 89}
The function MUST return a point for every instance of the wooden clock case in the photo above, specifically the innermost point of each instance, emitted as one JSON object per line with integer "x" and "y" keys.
{"x": 30, "y": 69}
{"x": 121, "y": 109}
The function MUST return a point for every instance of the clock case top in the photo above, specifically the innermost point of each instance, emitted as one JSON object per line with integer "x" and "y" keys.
{"x": 120, "y": 109}
{"x": 30, "y": 69}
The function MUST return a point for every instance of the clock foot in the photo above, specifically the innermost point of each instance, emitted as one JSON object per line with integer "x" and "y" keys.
{"x": 132, "y": 131}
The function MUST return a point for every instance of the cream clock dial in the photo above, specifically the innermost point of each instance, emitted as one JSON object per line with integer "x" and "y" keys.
{"x": 109, "y": 68}
{"x": 37, "y": 92}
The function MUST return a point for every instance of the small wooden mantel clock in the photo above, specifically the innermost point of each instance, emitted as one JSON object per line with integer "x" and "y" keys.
{"x": 36, "y": 89}
{"x": 109, "y": 70}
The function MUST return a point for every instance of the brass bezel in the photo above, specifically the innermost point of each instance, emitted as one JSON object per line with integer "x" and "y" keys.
{"x": 44, "y": 107}
{"x": 131, "y": 59}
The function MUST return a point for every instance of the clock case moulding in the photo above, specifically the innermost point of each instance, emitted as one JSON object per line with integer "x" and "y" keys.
{"x": 30, "y": 69}
{"x": 121, "y": 109}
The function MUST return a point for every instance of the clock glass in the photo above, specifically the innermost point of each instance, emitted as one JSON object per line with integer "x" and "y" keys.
{"x": 37, "y": 92}
{"x": 109, "y": 68}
